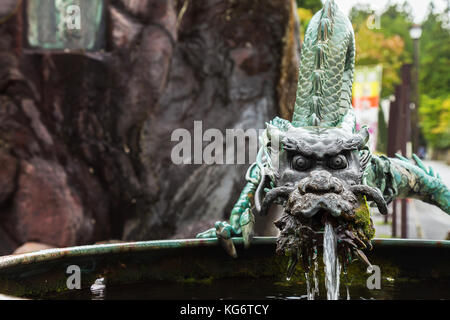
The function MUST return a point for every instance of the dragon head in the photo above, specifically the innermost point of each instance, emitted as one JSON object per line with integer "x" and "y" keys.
{"x": 316, "y": 174}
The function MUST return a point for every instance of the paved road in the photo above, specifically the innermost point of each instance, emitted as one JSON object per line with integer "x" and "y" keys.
{"x": 424, "y": 220}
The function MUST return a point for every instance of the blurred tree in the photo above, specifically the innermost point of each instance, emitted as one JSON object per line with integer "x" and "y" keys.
{"x": 382, "y": 40}
{"x": 359, "y": 14}
{"x": 396, "y": 20}
{"x": 435, "y": 54}
{"x": 306, "y": 10}
{"x": 304, "y": 16}
{"x": 313, "y": 5}
{"x": 434, "y": 83}
{"x": 375, "y": 48}
{"x": 390, "y": 44}
{"x": 435, "y": 120}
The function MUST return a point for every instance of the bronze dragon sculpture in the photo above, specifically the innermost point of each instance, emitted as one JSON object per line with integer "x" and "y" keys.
{"x": 318, "y": 167}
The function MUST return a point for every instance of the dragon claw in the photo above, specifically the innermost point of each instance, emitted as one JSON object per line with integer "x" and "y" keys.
{"x": 228, "y": 245}
{"x": 223, "y": 233}
{"x": 210, "y": 233}
{"x": 431, "y": 172}
{"x": 399, "y": 156}
{"x": 419, "y": 163}
{"x": 247, "y": 222}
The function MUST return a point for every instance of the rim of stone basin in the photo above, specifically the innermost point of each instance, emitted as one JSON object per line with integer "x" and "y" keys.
{"x": 100, "y": 249}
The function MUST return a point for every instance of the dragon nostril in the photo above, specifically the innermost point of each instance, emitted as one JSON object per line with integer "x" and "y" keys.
{"x": 320, "y": 181}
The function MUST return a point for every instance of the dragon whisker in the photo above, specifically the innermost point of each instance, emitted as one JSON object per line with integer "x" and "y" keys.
{"x": 372, "y": 194}
{"x": 272, "y": 195}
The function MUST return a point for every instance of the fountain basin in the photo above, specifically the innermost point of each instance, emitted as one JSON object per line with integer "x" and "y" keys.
{"x": 199, "y": 268}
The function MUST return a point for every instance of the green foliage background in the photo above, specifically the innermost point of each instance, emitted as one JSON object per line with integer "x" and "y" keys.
{"x": 435, "y": 115}
{"x": 313, "y": 5}
{"x": 434, "y": 85}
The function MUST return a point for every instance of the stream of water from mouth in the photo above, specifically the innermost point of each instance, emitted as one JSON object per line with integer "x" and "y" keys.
{"x": 331, "y": 262}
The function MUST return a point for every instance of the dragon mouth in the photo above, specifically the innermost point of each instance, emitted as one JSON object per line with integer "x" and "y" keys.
{"x": 307, "y": 210}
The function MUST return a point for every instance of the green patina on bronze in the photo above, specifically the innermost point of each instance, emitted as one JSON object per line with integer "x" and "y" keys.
{"x": 322, "y": 126}
{"x": 325, "y": 80}
{"x": 404, "y": 178}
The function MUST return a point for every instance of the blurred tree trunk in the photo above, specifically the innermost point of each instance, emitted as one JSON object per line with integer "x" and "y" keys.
{"x": 85, "y": 139}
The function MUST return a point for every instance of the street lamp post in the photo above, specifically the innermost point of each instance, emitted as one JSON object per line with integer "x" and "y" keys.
{"x": 415, "y": 32}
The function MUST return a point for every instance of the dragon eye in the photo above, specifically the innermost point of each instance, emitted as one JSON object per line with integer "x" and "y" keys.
{"x": 301, "y": 163}
{"x": 338, "y": 162}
